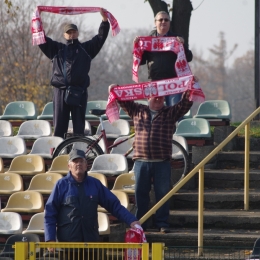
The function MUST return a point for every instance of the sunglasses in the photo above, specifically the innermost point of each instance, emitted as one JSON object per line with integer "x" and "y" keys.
{"x": 163, "y": 19}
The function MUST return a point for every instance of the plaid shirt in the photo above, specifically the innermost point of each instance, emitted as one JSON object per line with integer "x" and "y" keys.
{"x": 153, "y": 137}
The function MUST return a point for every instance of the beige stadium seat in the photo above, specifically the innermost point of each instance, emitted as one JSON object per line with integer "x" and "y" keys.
{"x": 10, "y": 183}
{"x": 36, "y": 224}
{"x": 25, "y": 201}
{"x": 44, "y": 182}
{"x": 123, "y": 198}
{"x": 43, "y": 146}
{"x": 27, "y": 165}
{"x": 103, "y": 224}
{"x": 34, "y": 129}
{"x": 6, "y": 128}
{"x": 60, "y": 164}
{"x": 12, "y": 146}
{"x": 99, "y": 176}
{"x": 125, "y": 182}
{"x": 10, "y": 223}
{"x": 110, "y": 164}
{"x": 1, "y": 165}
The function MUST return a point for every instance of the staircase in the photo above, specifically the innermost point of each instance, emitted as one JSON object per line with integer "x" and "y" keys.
{"x": 226, "y": 223}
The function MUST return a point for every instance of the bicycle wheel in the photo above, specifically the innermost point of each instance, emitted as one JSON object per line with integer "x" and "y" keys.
{"x": 91, "y": 148}
{"x": 180, "y": 163}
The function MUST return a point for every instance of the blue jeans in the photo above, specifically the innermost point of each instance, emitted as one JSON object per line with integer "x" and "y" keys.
{"x": 160, "y": 174}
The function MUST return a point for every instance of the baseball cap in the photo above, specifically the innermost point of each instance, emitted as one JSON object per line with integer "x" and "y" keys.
{"x": 75, "y": 153}
{"x": 70, "y": 26}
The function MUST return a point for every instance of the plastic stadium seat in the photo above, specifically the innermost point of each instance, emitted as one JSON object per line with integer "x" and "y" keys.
{"x": 60, "y": 164}
{"x": 194, "y": 128}
{"x": 116, "y": 129}
{"x": 47, "y": 112}
{"x": 9, "y": 250}
{"x": 25, "y": 201}
{"x": 103, "y": 224}
{"x": 125, "y": 182}
{"x": 188, "y": 115}
{"x": 110, "y": 164}
{"x": 44, "y": 182}
{"x": 123, "y": 198}
{"x": 6, "y": 128}
{"x": 176, "y": 154}
{"x": 36, "y": 224}
{"x": 83, "y": 147}
{"x": 123, "y": 147}
{"x": 10, "y": 223}
{"x": 27, "y": 165}
{"x": 87, "y": 130}
{"x": 1, "y": 165}
{"x": 214, "y": 109}
{"x": 19, "y": 110}
{"x": 34, "y": 129}
{"x": 43, "y": 146}
{"x": 12, "y": 146}
{"x": 97, "y": 104}
{"x": 99, "y": 176}
{"x": 10, "y": 183}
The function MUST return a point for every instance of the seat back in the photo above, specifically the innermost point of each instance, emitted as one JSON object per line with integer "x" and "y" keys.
{"x": 111, "y": 164}
{"x": 213, "y": 109}
{"x": 97, "y": 104}
{"x": 20, "y": 110}
{"x": 103, "y": 224}
{"x": 188, "y": 115}
{"x": 125, "y": 182}
{"x": 1, "y": 165}
{"x": 193, "y": 127}
{"x": 10, "y": 183}
{"x": 12, "y": 146}
{"x": 99, "y": 176}
{"x": 47, "y": 112}
{"x": 87, "y": 130}
{"x": 6, "y": 128}
{"x": 10, "y": 223}
{"x": 44, "y": 145}
{"x": 34, "y": 129}
{"x": 27, "y": 164}
{"x": 117, "y": 128}
{"x": 176, "y": 153}
{"x": 25, "y": 201}
{"x": 44, "y": 182}
{"x": 60, "y": 164}
{"x": 36, "y": 224}
{"x": 123, "y": 147}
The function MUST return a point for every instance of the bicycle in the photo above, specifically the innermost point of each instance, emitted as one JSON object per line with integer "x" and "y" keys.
{"x": 180, "y": 160}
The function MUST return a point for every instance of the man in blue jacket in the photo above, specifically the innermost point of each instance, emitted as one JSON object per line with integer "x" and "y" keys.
{"x": 71, "y": 210}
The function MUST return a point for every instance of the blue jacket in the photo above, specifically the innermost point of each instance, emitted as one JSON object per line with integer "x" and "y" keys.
{"x": 74, "y": 213}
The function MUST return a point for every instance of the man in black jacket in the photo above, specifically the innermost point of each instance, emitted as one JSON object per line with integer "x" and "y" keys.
{"x": 71, "y": 65}
{"x": 161, "y": 64}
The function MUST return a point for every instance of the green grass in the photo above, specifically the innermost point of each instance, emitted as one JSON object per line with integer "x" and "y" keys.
{"x": 254, "y": 130}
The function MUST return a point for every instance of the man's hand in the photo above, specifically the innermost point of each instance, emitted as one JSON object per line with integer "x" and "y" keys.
{"x": 186, "y": 95}
{"x": 111, "y": 86}
{"x": 180, "y": 39}
{"x": 51, "y": 249}
{"x": 132, "y": 225}
{"x": 136, "y": 39}
{"x": 103, "y": 14}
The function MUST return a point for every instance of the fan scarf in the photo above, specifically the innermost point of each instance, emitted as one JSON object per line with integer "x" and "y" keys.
{"x": 37, "y": 27}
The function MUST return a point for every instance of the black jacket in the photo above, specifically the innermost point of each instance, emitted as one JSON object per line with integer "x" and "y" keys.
{"x": 161, "y": 64}
{"x": 78, "y": 58}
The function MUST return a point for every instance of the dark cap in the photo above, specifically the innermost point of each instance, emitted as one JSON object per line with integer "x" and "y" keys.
{"x": 75, "y": 153}
{"x": 70, "y": 26}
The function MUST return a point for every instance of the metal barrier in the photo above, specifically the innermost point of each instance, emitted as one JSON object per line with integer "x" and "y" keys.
{"x": 87, "y": 251}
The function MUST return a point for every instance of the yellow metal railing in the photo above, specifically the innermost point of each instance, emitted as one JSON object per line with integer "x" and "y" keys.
{"x": 200, "y": 168}
{"x": 89, "y": 251}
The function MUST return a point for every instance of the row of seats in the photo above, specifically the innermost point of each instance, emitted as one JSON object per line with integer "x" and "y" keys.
{"x": 26, "y": 110}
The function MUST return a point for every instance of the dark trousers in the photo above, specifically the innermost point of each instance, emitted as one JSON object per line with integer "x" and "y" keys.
{"x": 62, "y": 111}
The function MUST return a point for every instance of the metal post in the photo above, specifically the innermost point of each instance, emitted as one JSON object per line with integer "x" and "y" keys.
{"x": 157, "y": 251}
{"x": 257, "y": 53}
{"x": 200, "y": 211}
{"x": 246, "y": 168}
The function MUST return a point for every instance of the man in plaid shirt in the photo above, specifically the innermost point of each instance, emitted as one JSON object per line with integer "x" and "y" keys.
{"x": 154, "y": 126}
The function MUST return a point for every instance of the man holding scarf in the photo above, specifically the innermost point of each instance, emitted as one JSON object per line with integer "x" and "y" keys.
{"x": 161, "y": 64}
{"x": 71, "y": 65}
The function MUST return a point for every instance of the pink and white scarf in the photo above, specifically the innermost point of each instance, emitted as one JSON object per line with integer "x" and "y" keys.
{"x": 37, "y": 27}
{"x": 182, "y": 67}
{"x": 152, "y": 89}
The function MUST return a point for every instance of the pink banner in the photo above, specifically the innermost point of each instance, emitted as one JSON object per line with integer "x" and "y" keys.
{"x": 36, "y": 23}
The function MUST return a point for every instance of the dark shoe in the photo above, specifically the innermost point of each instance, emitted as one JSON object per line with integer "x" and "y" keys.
{"x": 165, "y": 230}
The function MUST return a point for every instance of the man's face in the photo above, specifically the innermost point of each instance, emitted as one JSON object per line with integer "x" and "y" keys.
{"x": 78, "y": 167}
{"x": 156, "y": 103}
{"x": 71, "y": 35}
{"x": 162, "y": 23}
